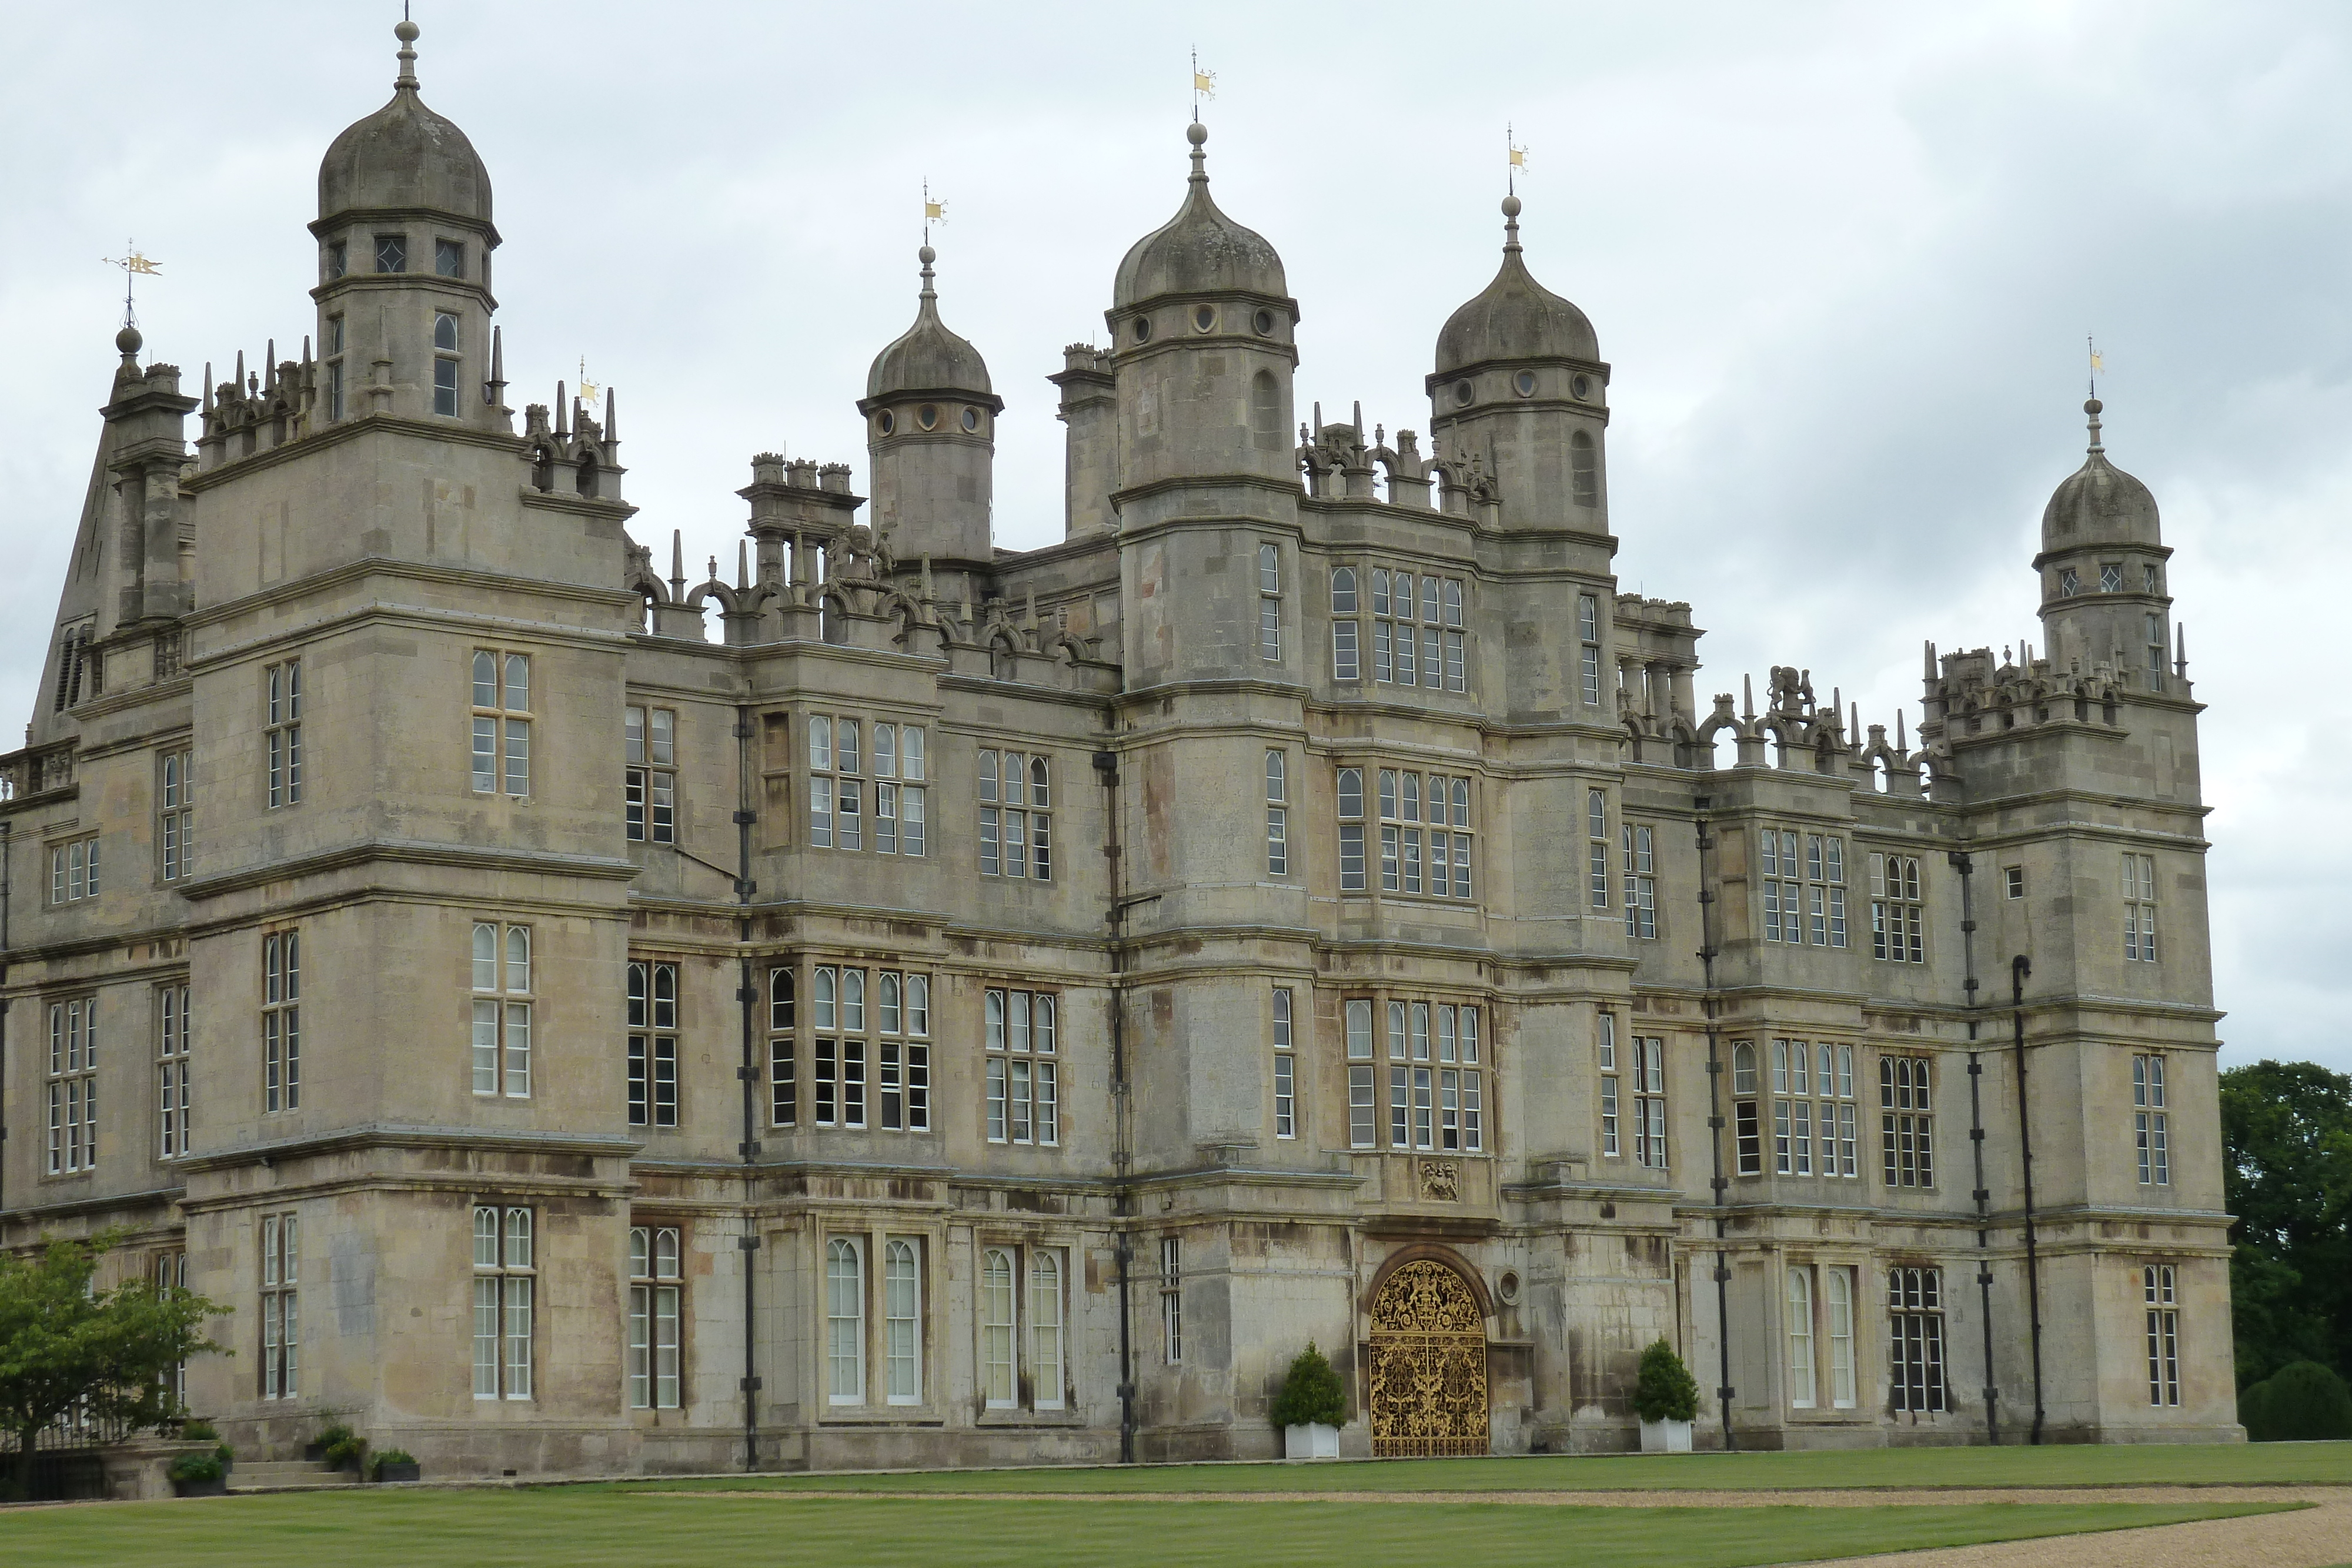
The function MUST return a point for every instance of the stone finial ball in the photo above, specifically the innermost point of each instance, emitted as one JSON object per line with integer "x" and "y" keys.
{"x": 128, "y": 341}
{"x": 1511, "y": 206}
{"x": 2092, "y": 406}
{"x": 1196, "y": 133}
{"x": 405, "y": 32}
{"x": 926, "y": 256}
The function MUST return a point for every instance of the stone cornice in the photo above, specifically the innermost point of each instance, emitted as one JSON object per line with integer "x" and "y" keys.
{"x": 411, "y": 1135}
{"x": 414, "y": 852}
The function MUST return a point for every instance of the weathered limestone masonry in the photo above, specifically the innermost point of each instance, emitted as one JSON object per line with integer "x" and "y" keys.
{"x": 998, "y": 1006}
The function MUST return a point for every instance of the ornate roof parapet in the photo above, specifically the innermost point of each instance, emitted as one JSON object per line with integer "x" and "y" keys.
{"x": 257, "y": 411}
{"x": 1972, "y": 698}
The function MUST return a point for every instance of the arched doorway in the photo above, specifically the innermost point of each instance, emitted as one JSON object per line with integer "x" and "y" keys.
{"x": 1427, "y": 1364}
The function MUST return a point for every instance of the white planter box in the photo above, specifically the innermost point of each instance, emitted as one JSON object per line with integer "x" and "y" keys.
{"x": 1320, "y": 1442}
{"x": 1665, "y": 1437}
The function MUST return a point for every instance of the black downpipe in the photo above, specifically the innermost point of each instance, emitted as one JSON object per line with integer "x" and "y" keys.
{"x": 1122, "y": 1158}
{"x": 6, "y": 846}
{"x": 1721, "y": 1185}
{"x": 1962, "y": 863}
{"x": 2018, "y": 968}
{"x": 747, "y": 995}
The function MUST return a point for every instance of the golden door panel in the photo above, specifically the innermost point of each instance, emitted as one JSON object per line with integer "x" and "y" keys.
{"x": 1427, "y": 1364}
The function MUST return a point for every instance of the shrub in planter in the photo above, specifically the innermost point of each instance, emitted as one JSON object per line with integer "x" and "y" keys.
{"x": 396, "y": 1465}
{"x": 199, "y": 1431}
{"x": 2302, "y": 1403}
{"x": 340, "y": 1448}
{"x": 198, "y": 1475}
{"x": 1664, "y": 1389}
{"x": 1310, "y": 1407}
{"x": 1311, "y": 1394}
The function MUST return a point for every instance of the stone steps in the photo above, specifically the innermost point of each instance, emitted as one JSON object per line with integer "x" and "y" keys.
{"x": 286, "y": 1475}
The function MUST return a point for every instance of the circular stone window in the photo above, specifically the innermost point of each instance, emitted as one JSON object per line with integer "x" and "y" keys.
{"x": 1581, "y": 386}
{"x": 1205, "y": 318}
{"x": 1143, "y": 330}
{"x": 1462, "y": 393}
{"x": 1526, "y": 383}
{"x": 1506, "y": 1288}
{"x": 1263, "y": 323}
{"x": 927, "y": 416}
{"x": 885, "y": 422}
{"x": 971, "y": 419}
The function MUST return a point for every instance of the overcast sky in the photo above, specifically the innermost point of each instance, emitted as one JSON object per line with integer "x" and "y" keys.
{"x": 1841, "y": 259}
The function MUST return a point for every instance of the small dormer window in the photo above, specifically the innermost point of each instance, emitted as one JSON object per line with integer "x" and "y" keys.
{"x": 927, "y": 416}
{"x": 1582, "y": 387}
{"x": 337, "y": 259}
{"x": 1205, "y": 318}
{"x": 885, "y": 422}
{"x": 1263, "y": 323}
{"x": 1525, "y": 381}
{"x": 971, "y": 419}
{"x": 2069, "y": 584}
{"x": 1143, "y": 328}
{"x": 2111, "y": 577}
{"x": 1462, "y": 393}
{"x": 391, "y": 253}
{"x": 449, "y": 257}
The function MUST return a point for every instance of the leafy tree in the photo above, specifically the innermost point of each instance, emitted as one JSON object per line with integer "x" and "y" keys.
{"x": 65, "y": 1344}
{"x": 2286, "y": 1135}
{"x": 1311, "y": 1394}
{"x": 1664, "y": 1389}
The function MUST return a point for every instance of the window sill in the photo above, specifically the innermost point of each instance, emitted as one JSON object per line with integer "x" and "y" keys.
{"x": 1024, "y": 1418}
{"x": 882, "y": 1416}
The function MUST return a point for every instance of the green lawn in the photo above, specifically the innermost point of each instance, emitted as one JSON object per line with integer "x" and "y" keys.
{"x": 2113, "y": 1464}
{"x": 591, "y": 1528}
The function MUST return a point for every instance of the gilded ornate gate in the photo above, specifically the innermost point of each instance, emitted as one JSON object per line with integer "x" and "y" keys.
{"x": 1427, "y": 1364}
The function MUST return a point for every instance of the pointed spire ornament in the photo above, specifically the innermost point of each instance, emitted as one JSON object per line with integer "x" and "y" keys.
{"x": 678, "y": 564}
{"x": 1747, "y": 696}
{"x": 406, "y": 33}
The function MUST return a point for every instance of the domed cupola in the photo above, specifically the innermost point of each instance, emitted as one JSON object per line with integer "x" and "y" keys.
{"x": 404, "y": 241}
{"x": 1199, "y": 251}
{"x": 2099, "y": 504}
{"x": 2105, "y": 599}
{"x": 1203, "y": 346}
{"x": 930, "y": 435}
{"x": 1515, "y": 317}
{"x": 1519, "y": 388}
{"x": 404, "y": 155}
{"x": 929, "y": 359}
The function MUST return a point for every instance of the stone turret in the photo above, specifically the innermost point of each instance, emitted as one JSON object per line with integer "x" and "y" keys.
{"x": 404, "y": 241}
{"x": 1519, "y": 385}
{"x": 2102, "y": 566}
{"x": 1202, "y": 331}
{"x": 930, "y": 433}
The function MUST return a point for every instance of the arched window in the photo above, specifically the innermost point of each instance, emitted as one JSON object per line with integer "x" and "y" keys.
{"x": 998, "y": 1377}
{"x": 1583, "y": 470}
{"x": 844, "y": 1314}
{"x": 1046, "y": 1330}
{"x": 1265, "y": 412}
{"x": 902, "y": 1319}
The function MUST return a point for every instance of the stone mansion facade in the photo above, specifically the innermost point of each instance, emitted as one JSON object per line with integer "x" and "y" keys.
{"x": 968, "y": 1006}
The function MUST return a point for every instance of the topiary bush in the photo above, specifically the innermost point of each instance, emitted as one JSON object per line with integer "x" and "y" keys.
{"x": 2304, "y": 1402}
{"x": 1312, "y": 1394}
{"x": 1663, "y": 1390}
